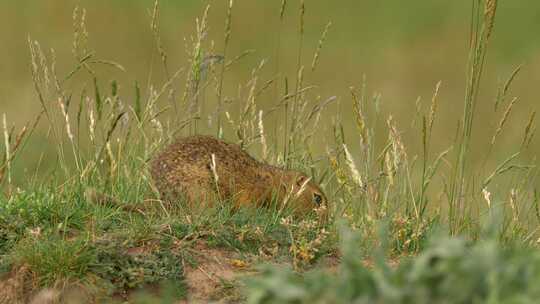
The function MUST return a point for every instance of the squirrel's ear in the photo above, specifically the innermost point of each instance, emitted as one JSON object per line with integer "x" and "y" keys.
{"x": 300, "y": 180}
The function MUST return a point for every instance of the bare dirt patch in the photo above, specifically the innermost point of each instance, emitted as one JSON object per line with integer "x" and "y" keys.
{"x": 214, "y": 275}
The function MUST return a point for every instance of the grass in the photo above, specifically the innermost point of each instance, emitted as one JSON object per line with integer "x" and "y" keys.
{"x": 97, "y": 222}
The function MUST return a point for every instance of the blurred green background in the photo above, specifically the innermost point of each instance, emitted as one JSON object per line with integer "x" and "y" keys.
{"x": 403, "y": 48}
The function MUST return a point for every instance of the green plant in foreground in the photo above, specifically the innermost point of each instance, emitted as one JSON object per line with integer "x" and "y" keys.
{"x": 447, "y": 271}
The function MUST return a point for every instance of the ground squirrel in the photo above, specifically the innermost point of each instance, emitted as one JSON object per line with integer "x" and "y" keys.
{"x": 203, "y": 169}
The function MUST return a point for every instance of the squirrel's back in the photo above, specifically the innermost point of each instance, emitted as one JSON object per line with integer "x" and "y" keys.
{"x": 206, "y": 169}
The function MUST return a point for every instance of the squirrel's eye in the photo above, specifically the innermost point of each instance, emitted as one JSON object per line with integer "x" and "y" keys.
{"x": 317, "y": 199}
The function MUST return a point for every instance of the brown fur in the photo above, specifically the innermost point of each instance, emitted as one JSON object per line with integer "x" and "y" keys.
{"x": 185, "y": 170}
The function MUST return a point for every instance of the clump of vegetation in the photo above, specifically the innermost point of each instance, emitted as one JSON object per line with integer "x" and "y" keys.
{"x": 65, "y": 241}
{"x": 448, "y": 270}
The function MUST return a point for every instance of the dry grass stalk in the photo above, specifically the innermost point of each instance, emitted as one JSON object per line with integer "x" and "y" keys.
{"x": 320, "y": 45}
{"x": 513, "y": 205}
{"x": 155, "y": 95}
{"x": 194, "y": 78}
{"x": 290, "y": 134}
{"x": 112, "y": 161}
{"x": 389, "y": 168}
{"x": 434, "y": 105}
{"x": 246, "y": 130}
{"x": 80, "y": 42}
{"x": 227, "y": 37}
{"x": 397, "y": 147}
{"x": 355, "y": 174}
{"x": 339, "y": 172}
{"x": 66, "y": 119}
{"x": 460, "y": 181}
{"x": 503, "y": 120}
{"x": 490, "y": 10}
{"x": 92, "y": 122}
{"x": 296, "y": 106}
{"x": 503, "y": 167}
{"x": 155, "y": 31}
{"x": 302, "y": 16}
{"x": 56, "y": 81}
{"x": 531, "y": 136}
{"x": 35, "y": 70}
{"x": 529, "y": 130}
{"x": 7, "y": 148}
{"x": 21, "y": 136}
{"x": 282, "y": 9}
{"x": 503, "y": 91}
{"x": 359, "y": 115}
{"x": 80, "y": 34}
{"x": 228, "y": 22}
{"x": 43, "y": 66}
{"x": 263, "y": 136}
{"x": 154, "y": 25}
{"x": 487, "y": 197}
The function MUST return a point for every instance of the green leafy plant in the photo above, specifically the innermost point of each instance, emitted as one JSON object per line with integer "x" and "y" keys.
{"x": 449, "y": 270}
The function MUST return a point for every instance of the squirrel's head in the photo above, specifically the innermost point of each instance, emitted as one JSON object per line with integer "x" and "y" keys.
{"x": 303, "y": 194}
